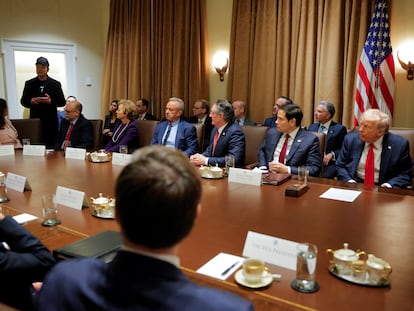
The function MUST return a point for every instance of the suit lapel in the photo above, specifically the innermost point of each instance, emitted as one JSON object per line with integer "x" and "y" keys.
{"x": 385, "y": 156}
{"x": 295, "y": 145}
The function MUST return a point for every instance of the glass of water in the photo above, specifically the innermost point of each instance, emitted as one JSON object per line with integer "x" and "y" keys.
{"x": 305, "y": 268}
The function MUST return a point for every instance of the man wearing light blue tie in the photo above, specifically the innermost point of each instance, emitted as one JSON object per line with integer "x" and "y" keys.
{"x": 175, "y": 132}
{"x": 335, "y": 134}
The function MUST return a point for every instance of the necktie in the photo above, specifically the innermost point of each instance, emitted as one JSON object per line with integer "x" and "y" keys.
{"x": 167, "y": 134}
{"x": 67, "y": 137}
{"x": 216, "y": 136}
{"x": 370, "y": 167}
{"x": 322, "y": 129}
{"x": 200, "y": 121}
{"x": 282, "y": 154}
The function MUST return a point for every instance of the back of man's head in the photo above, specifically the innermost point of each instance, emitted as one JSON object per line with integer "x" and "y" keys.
{"x": 157, "y": 196}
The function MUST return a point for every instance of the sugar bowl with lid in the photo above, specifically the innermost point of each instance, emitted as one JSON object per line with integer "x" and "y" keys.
{"x": 342, "y": 259}
{"x": 103, "y": 207}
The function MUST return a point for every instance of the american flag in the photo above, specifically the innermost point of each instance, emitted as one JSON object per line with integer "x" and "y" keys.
{"x": 376, "y": 72}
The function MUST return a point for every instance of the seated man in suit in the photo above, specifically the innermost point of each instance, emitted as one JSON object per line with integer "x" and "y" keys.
{"x": 142, "y": 110}
{"x": 227, "y": 138}
{"x": 279, "y": 102}
{"x": 288, "y": 146}
{"x": 201, "y": 110}
{"x": 75, "y": 130}
{"x": 145, "y": 273}
{"x": 374, "y": 155}
{"x": 334, "y": 132}
{"x": 24, "y": 260}
{"x": 175, "y": 132}
{"x": 240, "y": 108}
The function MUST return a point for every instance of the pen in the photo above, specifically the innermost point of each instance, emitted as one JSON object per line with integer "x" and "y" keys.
{"x": 229, "y": 268}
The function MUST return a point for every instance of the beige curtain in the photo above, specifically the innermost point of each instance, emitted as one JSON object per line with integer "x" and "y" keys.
{"x": 156, "y": 50}
{"x": 307, "y": 50}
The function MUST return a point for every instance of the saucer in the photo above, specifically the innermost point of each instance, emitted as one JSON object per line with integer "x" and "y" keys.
{"x": 266, "y": 280}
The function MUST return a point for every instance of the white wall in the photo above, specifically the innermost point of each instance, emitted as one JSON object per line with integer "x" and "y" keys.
{"x": 83, "y": 23}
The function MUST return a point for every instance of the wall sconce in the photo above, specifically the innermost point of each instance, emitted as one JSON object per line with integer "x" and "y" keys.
{"x": 221, "y": 64}
{"x": 409, "y": 67}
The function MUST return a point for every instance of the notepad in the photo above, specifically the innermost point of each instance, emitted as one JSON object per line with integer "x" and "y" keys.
{"x": 103, "y": 245}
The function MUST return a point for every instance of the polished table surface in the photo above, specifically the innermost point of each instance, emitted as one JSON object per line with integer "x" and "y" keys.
{"x": 376, "y": 222}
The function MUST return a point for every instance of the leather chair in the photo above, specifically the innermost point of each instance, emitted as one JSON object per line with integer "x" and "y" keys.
{"x": 200, "y": 136}
{"x": 97, "y": 133}
{"x": 407, "y": 133}
{"x": 29, "y": 128}
{"x": 254, "y": 136}
{"x": 146, "y": 129}
{"x": 322, "y": 142}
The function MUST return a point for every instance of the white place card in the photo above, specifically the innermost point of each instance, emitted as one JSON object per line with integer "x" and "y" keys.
{"x": 24, "y": 218}
{"x": 34, "y": 150}
{"x": 270, "y": 249}
{"x": 70, "y": 197}
{"x": 340, "y": 194}
{"x": 221, "y": 266}
{"x": 121, "y": 158}
{"x": 17, "y": 182}
{"x": 75, "y": 153}
{"x": 6, "y": 150}
{"x": 242, "y": 176}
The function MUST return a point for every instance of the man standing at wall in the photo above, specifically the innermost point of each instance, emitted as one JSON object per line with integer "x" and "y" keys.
{"x": 42, "y": 95}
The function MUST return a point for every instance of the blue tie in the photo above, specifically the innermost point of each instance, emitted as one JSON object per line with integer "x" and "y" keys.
{"x": 167, "y": 134}
{"x": 322, "y": 129}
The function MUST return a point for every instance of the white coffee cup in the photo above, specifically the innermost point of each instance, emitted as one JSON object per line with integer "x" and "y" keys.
{"x": 254, "y": 270}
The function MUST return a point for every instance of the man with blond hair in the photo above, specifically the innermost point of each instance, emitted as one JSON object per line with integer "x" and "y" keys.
{"x": 375, "y": 156}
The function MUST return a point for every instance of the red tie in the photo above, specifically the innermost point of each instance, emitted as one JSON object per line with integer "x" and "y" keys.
{"x": 216, "y": 136}
{"x": 67, "y": 137}
{"x": 370, "y": 167}
{"x": 282, "y": 154}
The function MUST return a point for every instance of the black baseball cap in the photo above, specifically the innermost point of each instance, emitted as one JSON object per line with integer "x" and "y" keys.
{"x": 42, "y": 61}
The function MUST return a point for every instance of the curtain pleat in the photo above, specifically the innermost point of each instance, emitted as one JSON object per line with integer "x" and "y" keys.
{"x": 156, "y": 49}
{"x": 305, "y": 49}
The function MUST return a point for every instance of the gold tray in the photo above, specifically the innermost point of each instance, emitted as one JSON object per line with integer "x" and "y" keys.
{"x": 365, "y": 282}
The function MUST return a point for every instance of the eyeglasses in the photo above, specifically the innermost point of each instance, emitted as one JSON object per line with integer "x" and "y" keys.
{"x": 197, "y": 107}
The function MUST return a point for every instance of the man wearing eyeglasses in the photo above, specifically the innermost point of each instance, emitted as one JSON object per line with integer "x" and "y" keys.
{"x": 201, "y": 111}
{"x": 75, "y": 131}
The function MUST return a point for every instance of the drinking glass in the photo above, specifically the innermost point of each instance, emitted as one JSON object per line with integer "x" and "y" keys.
{"x": 123, "y": 149}
{"x": 230, "y": 162}
{"x": 303, "y": 174}
{"x": 50, "y": 212}
{"x": 305, "y": 268}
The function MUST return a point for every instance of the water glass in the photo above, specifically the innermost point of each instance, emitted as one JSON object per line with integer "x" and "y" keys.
{"x": 123, "y": 149}
{"x": 303, "y": 174}
{"x": 50, "y": 211}
{"x": 229, "y": 162}
{"x": 305, "y": 268}
{"x": 26, "y": 141}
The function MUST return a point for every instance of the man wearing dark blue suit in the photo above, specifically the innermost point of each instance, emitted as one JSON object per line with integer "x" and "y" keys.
{"x": 227, "y": 138}
{"x": 81, "y": 134}
{"x": 334, "y": 132}
{"x": 175, "y": 132}
{"x": 288, "y": 146}
{"x": 23, "y": 260}
{"x": 157, "y": 201}
{"x": 201, "y": 110}
{"x": 281, "y": 101}
{"x": 392, "y": 161}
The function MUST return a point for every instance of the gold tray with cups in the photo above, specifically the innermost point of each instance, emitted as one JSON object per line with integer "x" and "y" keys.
{"x": 100, "y": 156}
{"x": 211, "y": 172}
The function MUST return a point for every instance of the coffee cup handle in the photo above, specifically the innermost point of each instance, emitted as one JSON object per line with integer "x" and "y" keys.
{"x": 330, "y": 254}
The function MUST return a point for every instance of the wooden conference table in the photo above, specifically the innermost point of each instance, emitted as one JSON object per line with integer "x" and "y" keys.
{"x": 381, "y": 223}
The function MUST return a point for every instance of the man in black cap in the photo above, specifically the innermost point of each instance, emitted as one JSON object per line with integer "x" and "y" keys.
{"x": 43, "y": 95}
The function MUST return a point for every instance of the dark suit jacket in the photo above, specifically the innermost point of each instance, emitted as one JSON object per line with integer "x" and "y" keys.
{"x": 208, "y": 127}
{"x": 396, "y": 164}
{"x": 248, "y": 122}
{"x": 185, "y": 140}
{"x": 334, "y": 140}
{"x": 129, "y": 137}
{"x": 130, "y": 282}
{"x": 304, "y": 151}
{"x": 45, "y": 112}
{"x": 148, "y": 116}
{"x": 230, "y": 141}
{"x": 27, "y": 261}
{"x": 270, "y": 122}
{"x": 81, "y": 136}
